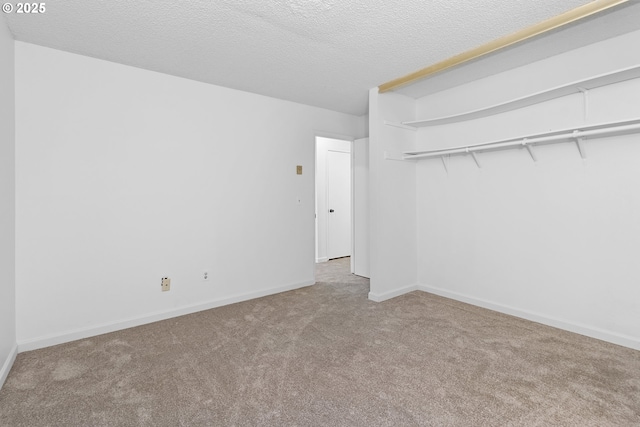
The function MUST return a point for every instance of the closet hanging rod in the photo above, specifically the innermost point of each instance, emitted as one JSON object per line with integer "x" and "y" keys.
{"x": 536, "y": 135}
{"x": 628, "y": 126}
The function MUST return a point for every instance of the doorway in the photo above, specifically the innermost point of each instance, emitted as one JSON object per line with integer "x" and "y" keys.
{"x": 333, "y": 199}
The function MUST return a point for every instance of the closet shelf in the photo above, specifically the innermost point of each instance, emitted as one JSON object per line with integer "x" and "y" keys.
{"x": 525, "y": 101}
{"x": 574, "y": 134}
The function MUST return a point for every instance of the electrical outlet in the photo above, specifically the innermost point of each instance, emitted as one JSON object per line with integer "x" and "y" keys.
{"x": 205, "y": 276}
{"x": 165, "y": 284}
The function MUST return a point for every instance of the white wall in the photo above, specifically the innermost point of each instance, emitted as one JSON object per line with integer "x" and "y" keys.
{"x": 7, "y": 203}
{"x": 360, "y": 261}
{"x": 556, "y": 240}
{"x": 393, "y": 221}
{"x": 124, "y": 176}
{"x": 364, "y": 125}
{"x": 324, "y": 145}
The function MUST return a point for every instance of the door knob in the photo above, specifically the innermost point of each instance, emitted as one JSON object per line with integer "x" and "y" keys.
{"x": 331, "y": 210}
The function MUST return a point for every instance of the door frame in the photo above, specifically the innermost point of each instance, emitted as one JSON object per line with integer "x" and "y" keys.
{"x": 350, "y": 140}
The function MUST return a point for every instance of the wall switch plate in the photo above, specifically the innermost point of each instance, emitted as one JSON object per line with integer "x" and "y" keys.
{"x": 165, "y": 284}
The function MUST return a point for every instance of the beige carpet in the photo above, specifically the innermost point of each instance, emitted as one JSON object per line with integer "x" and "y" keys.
{"x": 326, "y": 356}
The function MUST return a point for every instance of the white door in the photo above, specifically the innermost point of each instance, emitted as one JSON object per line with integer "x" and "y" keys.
{"x": 360, "y": 255}
{"x": 339, "y": 204}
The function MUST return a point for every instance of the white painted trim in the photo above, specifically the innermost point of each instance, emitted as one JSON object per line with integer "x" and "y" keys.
{"x": 323, "y": 259}
{"x": 81, "y": 333}
{"x": 352, "y": 177}
{"x": 578, "y": 328}
{"x": 331, "y": 135}
{"x": 392, "y": 294}
{"x": 8, "y": 363}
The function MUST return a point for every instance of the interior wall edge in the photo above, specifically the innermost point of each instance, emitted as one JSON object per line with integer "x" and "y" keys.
{"x": 566, "y": 325}
{"x": 82, "y": 333}
{"x": 380, "y": 297}
{"x": 8, "y": 364}
{"x": 392, "y": 197}
{"x": 7, "y": 202}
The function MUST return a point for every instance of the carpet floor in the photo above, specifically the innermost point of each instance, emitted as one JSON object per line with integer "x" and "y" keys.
{"x": 325, "y": 355}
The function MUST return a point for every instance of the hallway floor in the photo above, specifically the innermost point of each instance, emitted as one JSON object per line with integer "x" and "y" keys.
{"x": 338, "y": 271}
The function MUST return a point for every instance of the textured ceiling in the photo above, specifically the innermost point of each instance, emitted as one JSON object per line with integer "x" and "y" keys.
{"x": 325, "y": 53}
{"x": 611, "y": 23}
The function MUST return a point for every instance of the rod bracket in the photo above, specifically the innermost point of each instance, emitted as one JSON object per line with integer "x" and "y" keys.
{"x": 580, "y": 144}
{"x": 529, "y": 147}
{"x": 475, "y": 157}
{"x": 445, "y": 160}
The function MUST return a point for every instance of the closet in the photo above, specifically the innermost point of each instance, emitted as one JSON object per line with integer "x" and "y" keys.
{"x": 518, "y": 191}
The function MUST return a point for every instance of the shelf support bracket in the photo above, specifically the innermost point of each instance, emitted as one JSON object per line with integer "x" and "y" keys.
{"x": 389, "y": 156}
{"x": 400, "y": 126}
{"x": 444, "y": 163}
{"x": 475, "y": 158}
{"x": 581, "y": 149}
{"x": 585, "y": 103}
{"x": 529, "y": 148}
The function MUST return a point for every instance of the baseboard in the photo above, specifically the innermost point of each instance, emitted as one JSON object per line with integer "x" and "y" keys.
{"x": 323, "y": 259}
{"x": 8, "y": 363}
{"x": 81, "y": 333}
{"x": 392, "y": 294}
{"x": 578, "y": 328}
